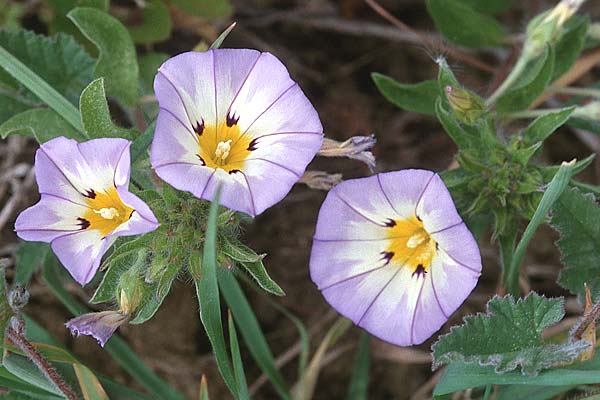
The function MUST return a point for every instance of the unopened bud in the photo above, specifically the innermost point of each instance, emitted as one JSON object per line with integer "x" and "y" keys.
{"x": 357, "y": 148}
{"x": 590, "y": 111}
{"x": 320, "y": 180}
{"x": 467, "y": 106}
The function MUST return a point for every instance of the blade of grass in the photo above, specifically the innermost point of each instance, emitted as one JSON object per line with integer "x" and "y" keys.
{"x": 203, "y": 395}
{"x": 238, "y": 366}
{"x": 207, "y": 290}
{"x": 116, "y": 347}
{"x": 252, "y": 334}
{"x": 552, "y": 193}
{"x": 41, "y": 89}
{"x": 360, "y": 374}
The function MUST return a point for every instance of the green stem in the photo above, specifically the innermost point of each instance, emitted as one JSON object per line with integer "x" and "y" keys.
{"x": 585, "y": 92}
{"x": 488, "y": 391}
{"x": 526, "y": 114}
{"x": 510, "y": 80}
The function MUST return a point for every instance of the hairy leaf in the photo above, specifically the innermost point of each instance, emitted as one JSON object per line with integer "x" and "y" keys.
{"x": 577, "y": 217}
{"x": 489, "y": 6}
{"x": 30, "y": 256}
{"x": 205, "y": 8}
{"x": 570, "y": 44}
{"x": 530, "y": 85}
{"x": 95, "y": 113}
{"x": 117, "y": 63}
{"x": 419, "y": 97}
{"x": 155, "y": 24}
{"x": 462, "y": 25}
{"x": 42, "y": 123}
{"x": 509, "y": 337}
{"x": 59, "y": 60}
{"x": 543, "y": 126}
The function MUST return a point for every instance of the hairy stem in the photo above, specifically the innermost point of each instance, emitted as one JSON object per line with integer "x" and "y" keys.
{"x": 43, "y": 365}
{"x": 510, "y": 80}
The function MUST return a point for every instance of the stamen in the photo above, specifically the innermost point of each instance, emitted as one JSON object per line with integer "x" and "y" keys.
{"x": 222, "y": 151}
{"x": 107, "y": 213}
{"x": 415, "y": 240}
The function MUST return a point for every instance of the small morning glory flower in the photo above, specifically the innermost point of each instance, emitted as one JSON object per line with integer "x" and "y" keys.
{"x": 235, "y": 118}
{"x": 391, "y": 253}
{"x": 85, "y": 202}
{"x": 100, "y": 325}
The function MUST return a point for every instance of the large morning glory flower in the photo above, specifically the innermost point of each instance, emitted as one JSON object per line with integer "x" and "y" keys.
{"x": 391, "y": 253}
{"x": 235, "y": 118}
{"x": 85, "y": 202}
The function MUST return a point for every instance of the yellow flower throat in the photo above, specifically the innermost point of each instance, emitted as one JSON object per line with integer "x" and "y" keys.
{"x": 224, "y": 146}
{"x": 410, "y": 245}
{"x": 106, "y": 211}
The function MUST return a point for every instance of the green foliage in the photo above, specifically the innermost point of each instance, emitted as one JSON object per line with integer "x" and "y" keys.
{"x": 419, "y": 97}
{"x": 207, "y": 290}
{"x": 509, "y": 337}
{"x": 530, "y": 85}
{"x": 570, "y": 45}
{"x": 117, "y": 62}
{"x": 489, "y": 6}
{"x": 42, "y": 123}
{"x": 359, "y": 383}
{"x": 95, "y": 113}
{"x": 459, "y": 376}
{"x": 30, "y": 256}
{"x": 59, "y": 61}
{"x": 463, "y": 25}
{"x": 155, "y": 25}
{"x": 10, "y": 14}
{"x": 576, "y": 216}
{"x": 5, "y": 311}
{"x": 251, "y": 332}
{"x": 238, "y": 367}
{"x": 252, "y": 263}
{"x": 543, "y": 126}
{"x": 205, "y": 8}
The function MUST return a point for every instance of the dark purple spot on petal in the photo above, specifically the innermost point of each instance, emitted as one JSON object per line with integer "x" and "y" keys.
{"x": 232, "y": 119}
{"x": 390, "y": 223}
{"x": 252, "y": 144}
{"x": 201, "y": 159}
{"x": 419, "y": 218}
{"x": 83, "y": 223}
{"x": 419, "y": 271}
{"x": 234, "y": 171}
{"x": 199, "y": 128}
{"x": 90, "y": 194}
{"x": 387, "y": 256}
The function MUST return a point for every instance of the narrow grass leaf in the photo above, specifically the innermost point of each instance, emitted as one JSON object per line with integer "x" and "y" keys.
{"x": 238, "y": 366}
{"x": 359, "y": 384}
{"x": 252, "y": 334}
{"x": 207, "y": 290}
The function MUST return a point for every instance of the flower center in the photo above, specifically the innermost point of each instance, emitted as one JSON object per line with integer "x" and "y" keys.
{"x": 410, "y": 245}
{"x": 106, "y": 211}
{"x": 223, "y": 147}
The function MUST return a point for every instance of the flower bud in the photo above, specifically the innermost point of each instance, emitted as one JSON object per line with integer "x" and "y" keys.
{"x": 357, "y": 148}
{"x": 99, "y": 325}
{"x": 467, "y": 106}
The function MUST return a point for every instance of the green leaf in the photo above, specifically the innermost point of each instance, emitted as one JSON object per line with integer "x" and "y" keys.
{"x": 207, "y": 291}
{"x": 116, "y": 347}
{"x": 205, "y": 8}
{"x": 489, "y": 6}
{"x": 155, "y": 24}
{"x": 419, "y": 97}
{"x": 42, "y": 123}
{"x": 117, "y": 62}
{"x": 570, "y": 45}
{"x": 533, "y": 82}
{"x": 5, "y": 310}
{"x": 552, "y": 193}
{"x": 453, "y": 128}
{"x": 530, "y": 392}
{"x": 25, "y": 370}
{"x": 462, "y": 25}
{"x": 360, "y": 374}
{"x": 29, "y": 79}
{"x": 95, "y": 114}
{"x": 252, "y": 263}
{"x": 219, "y": 41}
{"x": 509, "y": 337}
{"x": 18, "y": 385}
{"x": 238, "y": 367}
{"x": 460, "y": 376}
{"x": 543, "y": 126}
{"x": 30, "y": 256}
{"x": 252, "y": 334}
{"x": 59, "y": 61}
{"x": 576, "y": 216}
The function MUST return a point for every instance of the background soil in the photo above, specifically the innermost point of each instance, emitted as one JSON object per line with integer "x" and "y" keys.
{"x": 331, "y": 48}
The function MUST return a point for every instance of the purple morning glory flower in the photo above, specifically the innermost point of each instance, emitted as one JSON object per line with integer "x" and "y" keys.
{"x": 99, "y": 325}
{"x": 85, "y": 202}
{"x": 391, "y": 253}
{"x": 232, "y": 117}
